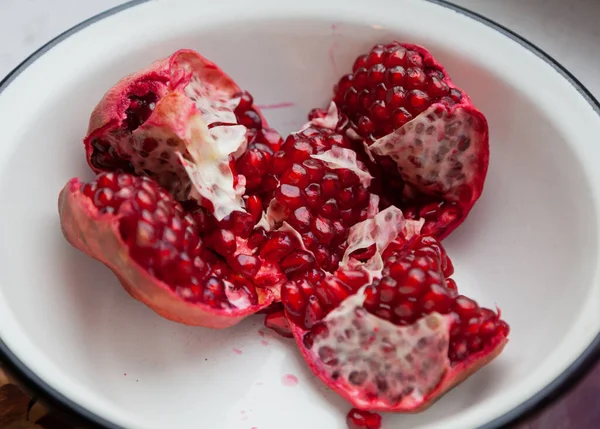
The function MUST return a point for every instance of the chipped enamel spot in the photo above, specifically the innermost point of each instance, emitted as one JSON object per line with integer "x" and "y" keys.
{"x": 380, "y": 230}
{"x": 209, "y": 168}
{"x": 337, "y": 157}
{"x": 378, "y": 363}
{"x": 436, "y": 152}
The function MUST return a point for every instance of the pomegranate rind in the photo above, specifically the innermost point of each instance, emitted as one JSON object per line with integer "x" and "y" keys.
{"x": 166, "y": 75}
{"x": 449, "y": 376}
{"x": 97, "y": 235}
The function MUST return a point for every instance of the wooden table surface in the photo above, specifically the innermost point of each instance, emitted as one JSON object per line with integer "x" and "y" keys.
{"x": 556, "y": 26}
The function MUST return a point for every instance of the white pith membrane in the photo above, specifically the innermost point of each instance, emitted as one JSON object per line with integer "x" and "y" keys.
{"x": 435, "y": 153}
{"x": 180, "y": 124}
{"x": 381, "y": 230}
{"x": 209, "y": 168}
{"x": 337, "y": 157}
{"x": 378, "y": 364}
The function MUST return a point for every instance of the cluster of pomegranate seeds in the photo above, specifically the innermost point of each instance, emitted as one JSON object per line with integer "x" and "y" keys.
{"x": 358, "y": 419}
{"x": 415, "y": 283}
{"x": 255, "y": 163}
{"x": 388, "y": 87}
{"x": 166, "y": 241}
{"x": 319, "y": 202}
{"x": 311, "y": 297}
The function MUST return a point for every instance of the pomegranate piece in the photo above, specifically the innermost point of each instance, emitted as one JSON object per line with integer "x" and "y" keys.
{"x": 142, "y": 234}
{"x": 185, "y": 123}
{"x": 426, "y": 142}
{"x": 401, "y": 341}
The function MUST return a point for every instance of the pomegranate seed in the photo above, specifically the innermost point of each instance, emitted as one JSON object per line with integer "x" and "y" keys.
{"x": 357, "y": 419}
{"x": 296, "y": 262}
{"x": 223, "y": 242}
{"x": 378, "y": 111}
{"x": 296, "y": 176}
{"x": 395, "y": 56}
{"x": 313, "y": 195}
{"x": 330, "y": 185}
{"x": 246, "y": 102}
{"x": 465, "y": 307}
{"x": 414, "y": 59}
{"x": 314, "y": 170}
{"x": 103, "y": 197}
{"x": 343, "y": 86}
{"x": 279, "y": 245}
{"x": 360, "y": 79}
{"x": 415, "y": 78}
{"x": 254, "y": 207}
{"x": 364, "y": 101}
{"x": 247, "y": 265}
{"x": 375, "y": 56}
{"x": 395, "y": 97}
{"x": 330, "y": 209}
{"x": 359, "y": 63}
{"x": 400, "y": 117}
{"x": 280, "y": 162}
{"x": 323, "y": 230}
{"x": 437, "y": 87}
{"x": 293, "y": 299}
{"x": 301, "y": 219}
{"x": 395, "y": 76}
{"x": 365, "y": 126}
{"x": 417, "y": 101}
{"x": 289, "y": 195}
{"x": 376, "y": 74}
{"x": 250, "y": 119}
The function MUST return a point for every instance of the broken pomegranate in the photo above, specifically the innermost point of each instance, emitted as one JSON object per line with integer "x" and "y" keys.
{"x": 425, "y": 142}
{"x": 185, "y": 123}
{"x": 208, "y": 216}
{"x": 404, "y": 338}
{"x": 143, "y": 235}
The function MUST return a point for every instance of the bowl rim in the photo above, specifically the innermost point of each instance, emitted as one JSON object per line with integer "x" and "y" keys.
{"x": 556, "y": 389}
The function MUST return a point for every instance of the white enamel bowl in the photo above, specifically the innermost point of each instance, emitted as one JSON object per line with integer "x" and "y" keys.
{"x": 530, "y": 245}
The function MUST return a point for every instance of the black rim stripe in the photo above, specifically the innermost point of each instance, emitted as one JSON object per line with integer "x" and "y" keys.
{"x": 79, "y": 415}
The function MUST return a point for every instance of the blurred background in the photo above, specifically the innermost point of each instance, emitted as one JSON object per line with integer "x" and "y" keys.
{"x": 567, "y": 30}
